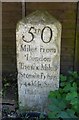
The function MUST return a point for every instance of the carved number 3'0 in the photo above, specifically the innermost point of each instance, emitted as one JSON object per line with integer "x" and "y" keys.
{"x": 42, "y": 35}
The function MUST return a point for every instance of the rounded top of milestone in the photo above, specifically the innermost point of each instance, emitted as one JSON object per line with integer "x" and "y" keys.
{"x": 40, "y": 17}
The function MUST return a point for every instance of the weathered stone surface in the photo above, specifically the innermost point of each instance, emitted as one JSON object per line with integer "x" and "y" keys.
{"x": 38, "y": 39}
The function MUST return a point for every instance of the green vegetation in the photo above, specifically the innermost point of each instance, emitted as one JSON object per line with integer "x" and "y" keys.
{"x": 63, "y": 103}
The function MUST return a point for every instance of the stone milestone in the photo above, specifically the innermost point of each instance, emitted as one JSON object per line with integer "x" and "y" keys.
{"x": 38, "y": 38}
